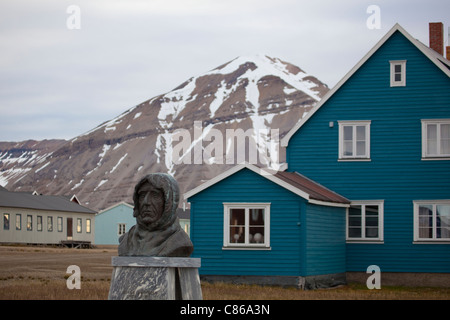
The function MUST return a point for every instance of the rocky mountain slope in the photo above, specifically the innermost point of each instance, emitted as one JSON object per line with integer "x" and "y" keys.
{"x": 182, "y": 132}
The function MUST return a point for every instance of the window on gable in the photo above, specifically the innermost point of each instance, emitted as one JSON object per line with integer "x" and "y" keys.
{"x": 121, "y": 229}
{"x": 246, "y": 225}
{"x": 432, "y": 220}
{"x": 436, "y": 138}
{"x": 398, "y": 73}
{"x": 354, "y": 139}
{"x": 365, "y": 221}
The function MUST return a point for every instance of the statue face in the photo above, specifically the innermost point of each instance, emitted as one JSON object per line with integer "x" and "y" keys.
{"x": 151, "y": 204}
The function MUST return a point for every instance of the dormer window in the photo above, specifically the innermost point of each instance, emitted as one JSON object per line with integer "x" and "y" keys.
{"x": 398, "y": 73}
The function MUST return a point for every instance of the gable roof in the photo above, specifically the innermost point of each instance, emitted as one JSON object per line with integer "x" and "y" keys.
{"x": 40, "y": 202}
{"x": 292, "y": 181}
{"x": 442, "y": 63}
{"x": 121, "y": 203}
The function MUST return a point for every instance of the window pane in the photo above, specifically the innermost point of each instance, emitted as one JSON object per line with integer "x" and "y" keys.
{"x": 371, "y": 211}
{"x": 29, "y": 223}
{"x": 348, "y": 133}
{"x": 445, "y": 139}
{"x": 398, "y": 68}
{"x": 39, "y": 223}
{"x": 79, "y": 224}
{"x": 60, "y": 224}
{"x": 354, "y": 232}
{"x": 371, "y": 232}
{"x": 361, "y": 148}
{"x": 18, "y": 222}
{"x": 348, "y": 148}
{"x": 237, "y": 225}
{"x": 443, "y": 221}
{"x": 256, "y": 230}
{"x": 431, "y": 131}
{"x": 354, "y": 222}
{"x": 354, "y": 211}
{"x": 398, "y": 77}
{"x": 256, "y": 217}
{"x": 360, "y": 133}
{"x": 49, "y": 224}
{"x": 6, "y": 221}
{"x": 256, "y": 235}
{"x": 432, "y": 139}
{"x": 426, "y": 221}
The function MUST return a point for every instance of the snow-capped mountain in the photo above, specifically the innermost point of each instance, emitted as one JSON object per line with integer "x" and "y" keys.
{"x": 102, "y": 166}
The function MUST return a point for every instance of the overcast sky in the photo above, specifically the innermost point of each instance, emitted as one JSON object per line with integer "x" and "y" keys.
{"x": 58, "y": 81}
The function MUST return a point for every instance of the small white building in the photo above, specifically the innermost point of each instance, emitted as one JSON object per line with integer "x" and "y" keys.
{"x": 41, "y": 219}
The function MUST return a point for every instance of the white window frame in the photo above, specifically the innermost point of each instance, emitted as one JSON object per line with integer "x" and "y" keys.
{"x": 363, "y": 238}
{"x": 402, "y": 81}
{"x": 59, "y": 222}
{"x": 433, "y": 239}
{"x": 228, "y": 244}
{"x": 88, "y": 225}
{"x": 438, "y": 155}
{"x": 354, "y": 124}
{"x": 121, "y": 228}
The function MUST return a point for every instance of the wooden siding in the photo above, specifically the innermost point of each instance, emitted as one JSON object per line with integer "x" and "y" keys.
{"x": 44, "y": 236}
{"x": 107, "y": 223}
{"x": 282, "y": 259}
{"x": 325, "y": 240}
{"x": 395, "y": 173}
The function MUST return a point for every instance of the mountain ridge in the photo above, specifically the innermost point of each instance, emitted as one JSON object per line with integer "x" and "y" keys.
{"x": 102, "y": 165}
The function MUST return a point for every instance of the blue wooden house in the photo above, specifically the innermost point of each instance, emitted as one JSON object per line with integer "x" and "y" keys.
{"x": 368, "y": 182}
{"x": 113, "y": 222}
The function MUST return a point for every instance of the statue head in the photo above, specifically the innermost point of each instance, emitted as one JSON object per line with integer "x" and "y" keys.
{"x": 156, "y": 199}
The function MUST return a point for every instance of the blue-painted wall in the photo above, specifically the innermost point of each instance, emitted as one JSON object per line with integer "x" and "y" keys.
{"x": 396, "y": 172}
{"x": 106, "y": 223}
{"x": 292, "y": 246}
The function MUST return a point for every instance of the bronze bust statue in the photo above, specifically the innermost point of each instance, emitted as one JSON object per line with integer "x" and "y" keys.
{"x": 157, "y": 231}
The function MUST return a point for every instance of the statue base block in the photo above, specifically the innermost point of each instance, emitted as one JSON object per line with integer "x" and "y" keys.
{"x": 155, "y": 278}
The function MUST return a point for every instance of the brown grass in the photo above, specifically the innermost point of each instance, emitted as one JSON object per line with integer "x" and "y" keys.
{"x": 30, "y": 273}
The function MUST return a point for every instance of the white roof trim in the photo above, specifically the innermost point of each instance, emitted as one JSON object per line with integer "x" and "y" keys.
{"x": 115, "y": 205}
{"x": 436, "y": 58}
{"x": 262, "y": 172}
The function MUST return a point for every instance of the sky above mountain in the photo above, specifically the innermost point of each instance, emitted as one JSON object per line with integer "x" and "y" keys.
{"x": 67, "y": 66}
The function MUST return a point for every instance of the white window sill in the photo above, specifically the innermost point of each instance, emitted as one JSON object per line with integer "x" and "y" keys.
{"x": 434, "y": 158}
{"x": 365, "y": 241}
{"x": 354, "y": 159}
{"x": 431, "y": 242}
{"x": 246, "y": 248}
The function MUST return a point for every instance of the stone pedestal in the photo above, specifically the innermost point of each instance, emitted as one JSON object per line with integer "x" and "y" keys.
{"x": 155, "y": 278}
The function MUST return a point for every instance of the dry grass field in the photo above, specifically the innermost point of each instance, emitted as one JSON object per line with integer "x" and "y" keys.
{"x": 39, "y": 273}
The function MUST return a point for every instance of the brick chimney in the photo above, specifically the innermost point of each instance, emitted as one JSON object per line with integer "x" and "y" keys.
{"x": 437, "y": 37}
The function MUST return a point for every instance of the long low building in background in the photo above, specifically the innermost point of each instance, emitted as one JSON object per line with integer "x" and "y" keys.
{"x": 30, "y": 218}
